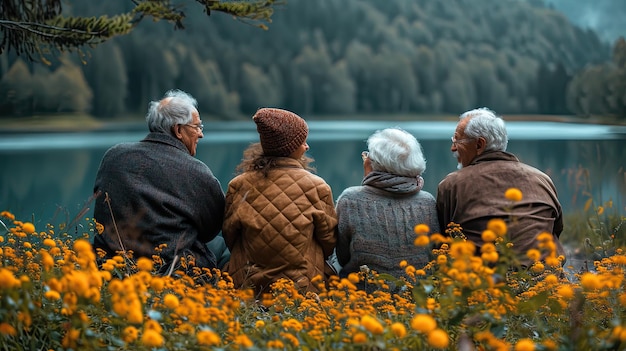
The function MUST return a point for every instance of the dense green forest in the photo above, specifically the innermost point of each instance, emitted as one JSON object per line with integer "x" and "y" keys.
{"x": 336, "y": 57}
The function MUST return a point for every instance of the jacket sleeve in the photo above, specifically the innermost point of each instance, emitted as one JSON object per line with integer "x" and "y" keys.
{"x": 325, "y": 221}
{"x": 443, "y": 207}
{"x": 214, "y": 214}
{"x": 344, "y": 235}
{"x": 231, "y": 229}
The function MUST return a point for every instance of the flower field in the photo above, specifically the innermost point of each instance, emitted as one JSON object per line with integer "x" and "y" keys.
{"x": 53, "y": 296}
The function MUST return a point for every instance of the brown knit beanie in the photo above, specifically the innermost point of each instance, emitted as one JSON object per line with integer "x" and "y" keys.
{"x": 281, "y": 131}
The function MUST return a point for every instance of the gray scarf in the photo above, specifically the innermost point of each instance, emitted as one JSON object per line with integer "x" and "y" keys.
{"x": 394, "y": 183}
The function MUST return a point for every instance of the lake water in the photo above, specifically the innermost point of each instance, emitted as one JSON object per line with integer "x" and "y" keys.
{"x": 48, "y": 177}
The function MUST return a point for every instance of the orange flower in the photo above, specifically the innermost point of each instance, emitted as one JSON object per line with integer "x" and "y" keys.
{"x": 208, "y": 337}
{"x": 423, "y": 323}
{"x": 498, "y": 226}
{"x": 421, "y": 229}
{"x": 372, "y": 324}
{"x": 28, "y": 228}
{"x": 7, "y": 329}
{"x": 525, "y": 345}
{"x": 152, "y": 338}
{"x": 398, "y": 329}
{"x": 513, "y": 194}
{"x": 438, "y": 339}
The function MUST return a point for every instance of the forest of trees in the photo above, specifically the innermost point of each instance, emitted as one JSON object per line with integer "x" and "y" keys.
{"x": 336, "y": 57}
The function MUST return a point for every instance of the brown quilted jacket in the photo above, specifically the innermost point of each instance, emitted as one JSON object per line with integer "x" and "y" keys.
{"x": 279, "y": 226}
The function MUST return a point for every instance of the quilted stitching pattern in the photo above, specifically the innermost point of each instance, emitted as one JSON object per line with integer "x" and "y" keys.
{"x": 284, "y": 224}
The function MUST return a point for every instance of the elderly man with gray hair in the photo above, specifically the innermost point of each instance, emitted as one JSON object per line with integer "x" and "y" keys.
{"x": 157, "y": 199}
{"x": 474, "y": 194}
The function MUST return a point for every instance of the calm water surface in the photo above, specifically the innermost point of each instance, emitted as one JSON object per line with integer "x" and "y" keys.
{"x": 48, "y": 177}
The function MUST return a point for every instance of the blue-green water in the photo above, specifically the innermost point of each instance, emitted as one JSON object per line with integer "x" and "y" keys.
{"x": 48, "y": 177}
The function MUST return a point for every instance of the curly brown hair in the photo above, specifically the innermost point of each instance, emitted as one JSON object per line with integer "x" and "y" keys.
{"x": 255, "y": 160}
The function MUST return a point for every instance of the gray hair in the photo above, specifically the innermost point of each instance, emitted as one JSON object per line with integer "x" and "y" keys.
{"x": 396, "y": 151}
{"x": 176, "y": 107}
{"x": 485, "y": 123}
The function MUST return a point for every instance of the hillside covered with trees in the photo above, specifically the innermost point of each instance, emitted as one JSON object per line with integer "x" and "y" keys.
{"x": 336, "y": 57}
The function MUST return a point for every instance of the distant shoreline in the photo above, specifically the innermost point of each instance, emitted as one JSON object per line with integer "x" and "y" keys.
{"x": 88, "y": 123}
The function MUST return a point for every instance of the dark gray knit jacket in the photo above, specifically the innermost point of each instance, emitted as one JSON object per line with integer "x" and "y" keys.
{"x": 159, "y": 194}
{"x": 376, "y": 222}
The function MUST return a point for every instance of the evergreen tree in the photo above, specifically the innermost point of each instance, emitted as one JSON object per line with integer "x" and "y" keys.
{"x": 32, "y": 28}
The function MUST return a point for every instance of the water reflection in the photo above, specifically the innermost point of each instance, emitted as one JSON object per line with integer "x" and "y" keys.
{"x": 49, "y": 177}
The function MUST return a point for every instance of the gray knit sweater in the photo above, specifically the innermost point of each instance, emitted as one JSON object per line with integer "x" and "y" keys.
{"x": 376, "y": 223}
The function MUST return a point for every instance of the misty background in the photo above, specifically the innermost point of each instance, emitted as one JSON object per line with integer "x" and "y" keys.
{"x": 606, "y": 17}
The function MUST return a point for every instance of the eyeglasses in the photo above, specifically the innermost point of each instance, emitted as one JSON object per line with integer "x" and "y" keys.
{"x": 460, "y": 141}
{"x": 199, "y": 127}
{"x": 365, "y": 155}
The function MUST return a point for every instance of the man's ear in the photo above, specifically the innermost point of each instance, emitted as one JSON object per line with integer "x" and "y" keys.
{"x": 481, "y": 144}
{"x": 176, "y": 131}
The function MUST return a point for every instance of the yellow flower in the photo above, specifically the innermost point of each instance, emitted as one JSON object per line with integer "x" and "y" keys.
{"x": 171, "y": 301}
{"x": 7, "y": 329}
{"x": 600, "y": 210}
{"x": 49, "y": 242}
{"x": 82, "y": 246}
{"x": 491, "y": 257}
{"x": 52, "y": 295}
{"x": 8, "y": 280}
{"x": 488, "y": 247}
{"x": 423, "y": 323}
{"x": 398, "y": 329}
{"x": 99, "y": 228}
{"x": 488, "y": 236}
{"x": 208, "y": 337}
{"x": 498, "y": 226}
{"x": 513, "y": 194}
{"x": 293, "y": 324}
{"x": 553, "y": 262}
{"x": 28, "y": 228}
{"x": 243, "y": 340}
{"x": 70, "y": 338}
{"x": 525, "y": 345}
{"x": 421, "y": 229}
{"x": 590, "y": 281}
{"x": 134, "y": 314}
{"x": 46, "y": 260}
{"x": 372, "y": 324}
{"x": 359, "y": 338}
{"x": 7, "y": 214}
{"x": 144, "y": 264}
{"x": 431, "y": 303}
{"x": 537, "y": 267}
{"x": 438, "y": 339}
{"x": 442, "y": 260}
{"x": 152, "y": 338}
{"x": 421, "y": 240}
{"x": 275, "y": 344}
{"x": 353, "y": 278}
{"x": 130, "y": 334}
{"x": 157, "y": 283}
{"x": 533, "y": 254}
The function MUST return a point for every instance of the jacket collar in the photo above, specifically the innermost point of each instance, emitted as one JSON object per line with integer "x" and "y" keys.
{"x": 494, "y": 156}
{"x": 288, "y": 162}
{"x": 162, "y": 138}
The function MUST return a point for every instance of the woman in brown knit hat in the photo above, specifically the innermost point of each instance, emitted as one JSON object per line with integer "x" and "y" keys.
{"x": 280, "y": 219}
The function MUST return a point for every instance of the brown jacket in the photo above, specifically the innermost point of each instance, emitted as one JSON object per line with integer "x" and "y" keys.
{"x": 280, "y": 226}
{"x": 474, "y": 194}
